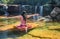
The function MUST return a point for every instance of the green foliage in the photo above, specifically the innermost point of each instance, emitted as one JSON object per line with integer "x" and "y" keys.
{"x": 11, "y": 1}
{"x": 7, "y": 1}
{"x": 32, "y": 2}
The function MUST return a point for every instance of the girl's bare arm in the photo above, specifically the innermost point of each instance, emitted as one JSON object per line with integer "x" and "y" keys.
{"x": 15, "y": 16}
{"x": 28, "y": 16}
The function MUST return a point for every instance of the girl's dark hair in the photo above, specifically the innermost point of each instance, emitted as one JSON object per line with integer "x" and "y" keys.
{"x": 24, "y": 15}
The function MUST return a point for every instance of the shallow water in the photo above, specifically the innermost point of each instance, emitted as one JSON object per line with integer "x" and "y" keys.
{"x": 4, "y": 35}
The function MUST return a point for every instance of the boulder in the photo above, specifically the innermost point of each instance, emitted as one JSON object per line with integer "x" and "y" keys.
{"x": 55, "y": 14}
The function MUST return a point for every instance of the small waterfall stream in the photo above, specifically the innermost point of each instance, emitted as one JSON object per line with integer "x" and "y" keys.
{"x": 41, "y": 10}
{"x": 35, "y": 17}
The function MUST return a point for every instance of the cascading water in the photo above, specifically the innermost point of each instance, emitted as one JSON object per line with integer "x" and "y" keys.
{"x": 35, "y": 17}
{"x": 41, "y": 10}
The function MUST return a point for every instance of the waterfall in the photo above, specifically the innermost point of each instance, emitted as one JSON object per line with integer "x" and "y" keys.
{"x": 5, "y": 10}
{"x": 35, "y": 17}
{"x": 6, "y": 13}
{"x": 35, "y": 9}
{"x": 41, "y": 10}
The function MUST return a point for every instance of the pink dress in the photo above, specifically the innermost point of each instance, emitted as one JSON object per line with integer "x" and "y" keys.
{"x": 23, "y": 25}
